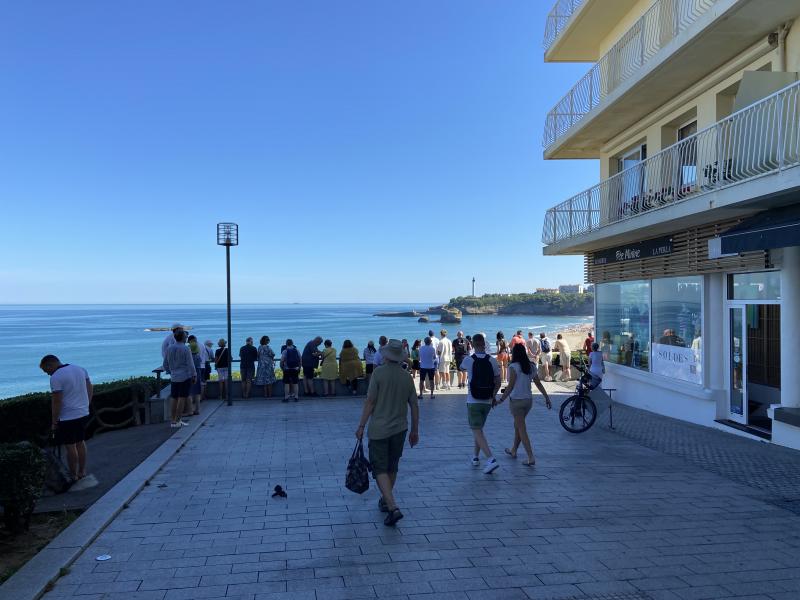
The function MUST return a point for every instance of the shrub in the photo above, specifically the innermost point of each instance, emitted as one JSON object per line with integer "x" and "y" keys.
{"x": 22, "y": 471}
{"x": 27, "y": 417}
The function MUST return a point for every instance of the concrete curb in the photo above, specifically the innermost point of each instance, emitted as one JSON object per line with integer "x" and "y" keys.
{"x": 32, "y": 580}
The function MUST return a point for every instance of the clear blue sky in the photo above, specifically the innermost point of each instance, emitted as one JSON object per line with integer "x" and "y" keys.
{"x": 369, "y": 150}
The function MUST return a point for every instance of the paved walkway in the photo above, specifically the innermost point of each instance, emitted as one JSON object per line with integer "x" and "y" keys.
{"x": 600, "y": 516}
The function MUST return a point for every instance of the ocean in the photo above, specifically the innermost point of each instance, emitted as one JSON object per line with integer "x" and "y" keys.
{"x": 112, "y": 341}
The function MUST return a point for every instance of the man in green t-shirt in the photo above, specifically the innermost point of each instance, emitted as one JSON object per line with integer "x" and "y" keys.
{"x": 391, "y": 391}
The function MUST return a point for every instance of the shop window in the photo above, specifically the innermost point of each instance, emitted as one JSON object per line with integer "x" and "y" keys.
{"x": 755, "y": 286}
{"x": 623, "y": 322}
{"x": 677, "y": 343}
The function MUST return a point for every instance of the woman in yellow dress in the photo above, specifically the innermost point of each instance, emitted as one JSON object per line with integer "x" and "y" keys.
{"x": 350, "y": 367}
{"x": 330, "y": 370}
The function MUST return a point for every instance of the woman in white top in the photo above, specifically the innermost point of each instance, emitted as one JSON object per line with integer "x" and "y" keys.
{"x": 597, "y": 367}
{"x": 521, "y": 374}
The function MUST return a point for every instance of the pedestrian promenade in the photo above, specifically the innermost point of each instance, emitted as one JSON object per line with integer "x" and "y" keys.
{"x": 601, "y": 515}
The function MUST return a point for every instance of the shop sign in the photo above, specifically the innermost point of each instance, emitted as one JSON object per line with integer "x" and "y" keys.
{"x": 647, "y": 249}
{"x": 677, "y": 362}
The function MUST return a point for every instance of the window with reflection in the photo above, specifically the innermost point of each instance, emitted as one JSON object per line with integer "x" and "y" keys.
{"x": 623, "y": 322}
{"x": 755, "y": 286}
{"x": 677, "y": 343}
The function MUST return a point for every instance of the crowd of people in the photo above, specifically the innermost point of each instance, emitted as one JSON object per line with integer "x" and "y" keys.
{"x": 390, "y": 369}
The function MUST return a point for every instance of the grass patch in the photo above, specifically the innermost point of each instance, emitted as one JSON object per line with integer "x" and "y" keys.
{"x": 16, "y": 550}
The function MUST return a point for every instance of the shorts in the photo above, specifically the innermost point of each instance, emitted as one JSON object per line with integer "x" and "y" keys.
{"x": 444, "y": 367}
{"x": 247, "y": 372}
{"x": 415, "y": 365}
{"x": 427, "y": 373}
{"x": 222, "y": 374}
{"x": 180, "y": 389}
{"x": 196, "y": 388}
{"x": 547, "y": 358}
{"x": 521, "y": 407}
{"x": 370, "y": 368}
{"x": 477, "y": 413}
{"x": 207, "y": 373}
{"x": 384, "y": 455}
{"x": 459, "y": 359}
{"x": 72, "y": 431}
{"x": 308, "y": 372}
{"x": 291, "y": 376}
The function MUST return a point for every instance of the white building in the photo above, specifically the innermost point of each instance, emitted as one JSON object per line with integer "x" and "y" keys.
{"x": 691, "y": 236}
{"x": 574, "y": 288}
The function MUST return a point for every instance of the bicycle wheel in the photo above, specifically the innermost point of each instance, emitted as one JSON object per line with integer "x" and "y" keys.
{"x": 577, "y": 414}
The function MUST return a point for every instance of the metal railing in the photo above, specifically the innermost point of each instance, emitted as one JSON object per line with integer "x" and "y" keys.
{"x": 557, "y": 19}
{"x": 662, "y": 22}
{"x": 758, "y": 140}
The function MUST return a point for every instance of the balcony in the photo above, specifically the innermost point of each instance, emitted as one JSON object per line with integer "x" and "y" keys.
{"x": 760, "y": 140}
{"x": 557, "y": 20}
{"x": 575, "y": 29}
{"x": 675, "y": 44}
{"x": 662, "y": 22}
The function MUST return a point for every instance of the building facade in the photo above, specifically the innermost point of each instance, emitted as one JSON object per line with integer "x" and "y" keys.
{"x": 691, "y": 238}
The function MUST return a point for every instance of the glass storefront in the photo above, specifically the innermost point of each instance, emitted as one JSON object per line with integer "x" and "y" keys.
{"x": 623, "y": 322}
{"x": 677, "y": 343}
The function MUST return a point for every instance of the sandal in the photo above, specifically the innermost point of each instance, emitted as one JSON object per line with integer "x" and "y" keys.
{"x": 511, "y": 454}
{"x": 393, "y": 517}
{"x": 529, "y": 463}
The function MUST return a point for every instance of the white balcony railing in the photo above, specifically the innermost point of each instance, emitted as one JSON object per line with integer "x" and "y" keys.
{"x": 761, "y": 139}
{"x": 662, "y": 22}
{"x": 557, "y": 19}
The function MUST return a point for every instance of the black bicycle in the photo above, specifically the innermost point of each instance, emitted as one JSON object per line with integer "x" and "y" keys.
{"x": 579, "y": 412}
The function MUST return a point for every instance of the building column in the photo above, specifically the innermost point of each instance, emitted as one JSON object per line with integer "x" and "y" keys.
{"x": 715, "y": 360}
{"x": 790, "y": 317}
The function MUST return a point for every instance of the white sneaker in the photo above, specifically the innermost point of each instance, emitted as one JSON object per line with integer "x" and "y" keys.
{"x": 491, "y": 466}
{"x": 182, "y": 423}
{"x": 476, "y": 462}
{"x": 174, "y": 425}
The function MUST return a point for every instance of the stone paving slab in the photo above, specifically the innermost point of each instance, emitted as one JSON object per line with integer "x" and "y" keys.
{"x": 599, "y": 517}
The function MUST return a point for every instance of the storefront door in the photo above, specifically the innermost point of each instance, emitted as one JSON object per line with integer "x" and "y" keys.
{"x": 754, "y": 349}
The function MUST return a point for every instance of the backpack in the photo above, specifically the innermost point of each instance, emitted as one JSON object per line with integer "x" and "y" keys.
{"x": 481, "y": 384}
{"x": 545, "y": 344}
{"x": 292, "y": 358}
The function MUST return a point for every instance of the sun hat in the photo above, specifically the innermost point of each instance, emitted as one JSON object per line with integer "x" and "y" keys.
{"x": 393, "y": 350}
{"x": 208, "y": 343}
{"x": 176, "y": 326}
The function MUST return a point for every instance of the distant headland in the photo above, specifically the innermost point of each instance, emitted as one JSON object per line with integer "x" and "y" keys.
{"x": 551, "y": 303}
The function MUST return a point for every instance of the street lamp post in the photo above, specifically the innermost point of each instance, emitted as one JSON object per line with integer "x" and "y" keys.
{"x": 228, "y": 235}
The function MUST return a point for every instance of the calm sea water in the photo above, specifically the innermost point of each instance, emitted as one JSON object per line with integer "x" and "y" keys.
{"x": 110, "y": 341}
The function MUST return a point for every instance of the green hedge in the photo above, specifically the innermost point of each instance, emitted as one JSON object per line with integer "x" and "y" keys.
{"x": 27, "y": 417}
{"x": 22, "y": 473}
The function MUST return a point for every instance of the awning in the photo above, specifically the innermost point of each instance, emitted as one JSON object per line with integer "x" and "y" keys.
{"x": 776, "y": 228}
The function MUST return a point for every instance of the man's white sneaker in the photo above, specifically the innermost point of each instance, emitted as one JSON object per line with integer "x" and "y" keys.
{"x": 174, "y": 425}
{"x": 476, "y": 462}
{"x": 491, "y": 466}
{"x": 183, "y": 423}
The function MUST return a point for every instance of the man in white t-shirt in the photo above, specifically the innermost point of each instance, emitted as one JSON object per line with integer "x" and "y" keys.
{"x": 72, "y": 393}
{"x": 445, "y": 352}
{"x": 435, "y": 344}
{"x": 427, "y": 366}
{"x": 483, "y": 373}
